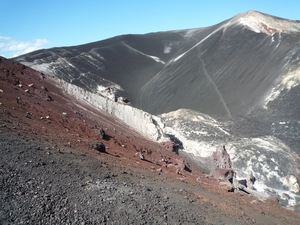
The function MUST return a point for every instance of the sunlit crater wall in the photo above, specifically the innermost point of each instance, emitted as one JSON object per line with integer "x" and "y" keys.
{"x": 146, "y": 124}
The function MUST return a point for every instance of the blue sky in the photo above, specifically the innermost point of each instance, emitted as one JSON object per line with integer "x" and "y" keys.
{"x": 28, "y": 25}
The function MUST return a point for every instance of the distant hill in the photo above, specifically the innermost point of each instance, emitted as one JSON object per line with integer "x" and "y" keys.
{"x": 224, "y": 70}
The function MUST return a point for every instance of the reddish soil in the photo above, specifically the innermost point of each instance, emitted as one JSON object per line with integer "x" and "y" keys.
{"x": 33, "y": 107}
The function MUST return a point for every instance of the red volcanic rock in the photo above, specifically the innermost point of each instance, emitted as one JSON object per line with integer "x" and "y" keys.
{"x": 169, "y": 145}
{"x": 181, "y": 165}
{"x": 222, "y": 174}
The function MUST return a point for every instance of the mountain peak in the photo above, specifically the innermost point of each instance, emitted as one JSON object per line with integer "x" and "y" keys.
{"x": 264, "y": 23}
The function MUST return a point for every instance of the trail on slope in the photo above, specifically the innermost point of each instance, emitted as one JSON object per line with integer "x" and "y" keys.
{"x": 149, "y": 56}
{"x": 216, "y": 88}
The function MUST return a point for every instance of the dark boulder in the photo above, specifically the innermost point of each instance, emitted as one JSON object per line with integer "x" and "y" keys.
{"x": 101, "y": 133}
{"x": 99, "y": 146}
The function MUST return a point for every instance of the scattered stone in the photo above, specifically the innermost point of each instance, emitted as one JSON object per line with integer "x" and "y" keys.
{"x": 30, "y": 85}
{"x": 28, "y": 115}
{"x": 199, "y": 180}
{"x": 123, "y": 100}
{"x": 222, "y": 174}
{"x": 107, "y": 176}
{"x": 44, "y": 88}
{"x": 49, "y": 98}
{"x": 141, "y": 155}
{"x": 99, "y": 146}
{"x": 65, "y": 114}
{"x": 181, "y": 165}
{"x": 101, "y": 132}
{"x": 169, "y": 145}
{"x": 226, "y": 185}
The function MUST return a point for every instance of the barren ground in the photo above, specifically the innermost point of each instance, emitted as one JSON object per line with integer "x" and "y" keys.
{"x": 50, "y": 175}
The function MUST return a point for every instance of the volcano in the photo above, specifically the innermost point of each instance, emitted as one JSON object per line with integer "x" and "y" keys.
{"x": 236, "y": 64}
{"x": 235, "y": 84}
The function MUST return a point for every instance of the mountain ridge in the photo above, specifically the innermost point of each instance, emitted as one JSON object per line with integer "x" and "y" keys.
{"x": 132, "y": 61}
{"x": 266, "y": 23}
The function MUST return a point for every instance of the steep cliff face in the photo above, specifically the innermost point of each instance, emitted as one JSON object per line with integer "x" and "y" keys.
{"x": 148, "y": 125}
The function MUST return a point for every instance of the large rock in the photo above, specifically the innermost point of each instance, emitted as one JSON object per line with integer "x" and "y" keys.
{"x": 250, "y": 180}
{"x": 221, "y": 158}
{"x": 293, "y": 183}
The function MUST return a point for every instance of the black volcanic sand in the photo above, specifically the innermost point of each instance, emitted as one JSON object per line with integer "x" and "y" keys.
{"x": 42, "y": 184}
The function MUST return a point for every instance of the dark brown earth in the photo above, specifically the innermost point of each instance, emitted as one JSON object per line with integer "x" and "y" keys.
{"x": 49, "y": 174}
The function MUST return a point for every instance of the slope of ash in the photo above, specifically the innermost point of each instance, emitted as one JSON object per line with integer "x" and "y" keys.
{"x": 239, "y": 64}
{"x": 50, "y": 173}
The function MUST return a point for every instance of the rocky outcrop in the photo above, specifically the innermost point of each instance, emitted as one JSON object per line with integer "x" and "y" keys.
{"x": 221, "y": 158}
{"x": 224, "y": 172}
{"x": 293, "y": 183}
{"x": 250, "y": 180}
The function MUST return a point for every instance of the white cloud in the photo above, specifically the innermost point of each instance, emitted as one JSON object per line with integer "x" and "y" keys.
{"x": 4, "y": 38}
{"x": 12, "y": 48}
